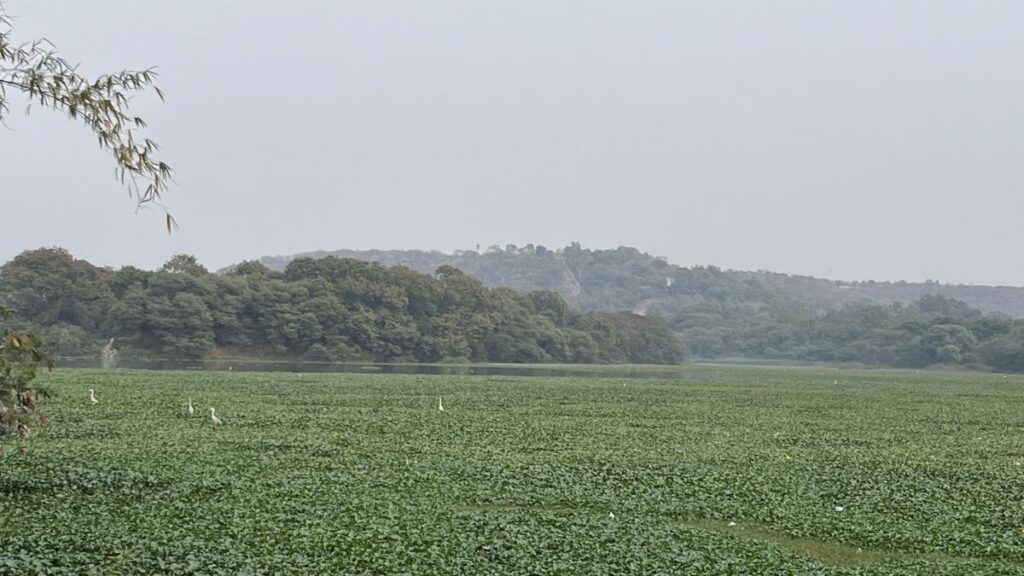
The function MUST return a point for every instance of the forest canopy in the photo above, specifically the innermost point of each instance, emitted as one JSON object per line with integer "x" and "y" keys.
{"x": 759, "y": 315}
{"x": 344, "y": 309}
{"x": 329, "y": 309}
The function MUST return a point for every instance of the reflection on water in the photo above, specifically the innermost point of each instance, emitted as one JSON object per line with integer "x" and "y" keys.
{"x": 591, "y": 371}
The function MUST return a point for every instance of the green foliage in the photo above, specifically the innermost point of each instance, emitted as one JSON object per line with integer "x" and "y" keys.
{"x": 43, "y": 78}
{"x": 184, "y": 264}
{"x": 67, "y": 340}
{"x": 932, "y": 331}
{"x": 360, "y": 474}
{"x": 318, "y": 309}
{"x": 728, "y": 313}
{"x": 48, "y": 286}
{"x": 20, "y": 358}
{"x": 342, "y": 309}
{"x": 1004, "y": 353}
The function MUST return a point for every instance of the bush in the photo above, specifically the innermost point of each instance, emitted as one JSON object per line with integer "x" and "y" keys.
{"x": 20, "y": 358}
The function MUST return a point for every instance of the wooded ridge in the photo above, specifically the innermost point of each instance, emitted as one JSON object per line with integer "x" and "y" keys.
{"x": 316, "y": 309}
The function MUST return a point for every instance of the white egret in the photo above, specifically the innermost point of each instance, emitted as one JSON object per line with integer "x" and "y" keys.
{"x": 191, "y": 410}
{"x": 839, "y": 508}
{"x": 732, "y": 524}
{"x": 440, "y": 406}
{"x": 213, "y": 417}
{"x": 611, "y": 515}
{"x": 92, "y": 397}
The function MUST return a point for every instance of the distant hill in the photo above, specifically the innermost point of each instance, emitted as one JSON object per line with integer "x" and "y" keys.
{"x": 628, "y": 279}
{"x": 322, "y": 309}
{"x": 346, "y": 308}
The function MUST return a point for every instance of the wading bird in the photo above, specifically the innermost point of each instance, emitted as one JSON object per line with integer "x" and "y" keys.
{"x": 440, "y": 407}
{"x": 191, "y": 410}
{"x": 213, "y": 417}
{"x": 92, "y": 397}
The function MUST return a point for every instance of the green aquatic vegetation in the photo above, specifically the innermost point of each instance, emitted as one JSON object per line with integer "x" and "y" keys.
{"x": 884, "y": 472}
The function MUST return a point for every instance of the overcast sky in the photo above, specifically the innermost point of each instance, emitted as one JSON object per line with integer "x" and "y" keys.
{"x": 844, "y": 139}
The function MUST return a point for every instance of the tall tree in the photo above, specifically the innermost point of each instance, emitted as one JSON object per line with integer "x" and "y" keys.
{"x": 48, "y": 286}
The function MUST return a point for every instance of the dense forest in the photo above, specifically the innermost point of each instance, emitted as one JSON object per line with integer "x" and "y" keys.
{"x": 762, "y": 315}
{"x": 628, "y": 279}
{"x": 316, "y": 309}
{"x": 332, "y": 308}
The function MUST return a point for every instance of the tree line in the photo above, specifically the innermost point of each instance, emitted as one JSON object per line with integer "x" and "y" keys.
{"x": 625, "y": 278}
{"x": 339, "y": 309}
{"x": 933, "y": 330}
{"x": 762, "y": 315}
{"x": 329, "y": 309}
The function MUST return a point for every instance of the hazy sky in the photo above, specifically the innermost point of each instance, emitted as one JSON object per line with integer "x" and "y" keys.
{"x": 845, "y": 139}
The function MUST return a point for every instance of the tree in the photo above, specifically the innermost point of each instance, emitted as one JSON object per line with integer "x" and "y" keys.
{"x": 35, "y": 71}
{"x": 184, "y": 264}
{"x": 20, "y": 357}
{"x": 252, "y": 268}
{"x": 48, "y": 286}
{"x": 1004, "y": 353}
{"x": 947, "y": 343}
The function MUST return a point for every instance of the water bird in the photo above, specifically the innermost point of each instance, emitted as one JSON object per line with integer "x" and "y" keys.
{"x": 213, "y": 417}
{"x": 191, "y": 410}
{"x": 440, "y": 406}
{"x": 611, "y": 515}
{"x": 839, "y": 508}
{"x": 732, "y": 524}
{"x": 92, "y": 397}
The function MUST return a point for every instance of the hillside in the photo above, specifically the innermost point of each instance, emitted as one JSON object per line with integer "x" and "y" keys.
{"x": 324, "y": 309}
{"x": 334, "y": 308}
{"x": 627, "y": 279}
{"x": 759, "y": 315}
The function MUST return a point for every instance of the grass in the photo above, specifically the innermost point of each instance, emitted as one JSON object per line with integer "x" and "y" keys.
{"x": 360, "y": 474}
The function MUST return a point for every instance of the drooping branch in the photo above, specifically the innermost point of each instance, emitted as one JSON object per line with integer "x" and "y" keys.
{"x": 102, "y": 104}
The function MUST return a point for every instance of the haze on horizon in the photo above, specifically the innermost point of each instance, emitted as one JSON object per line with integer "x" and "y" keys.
{"x": 848, "y": 140}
